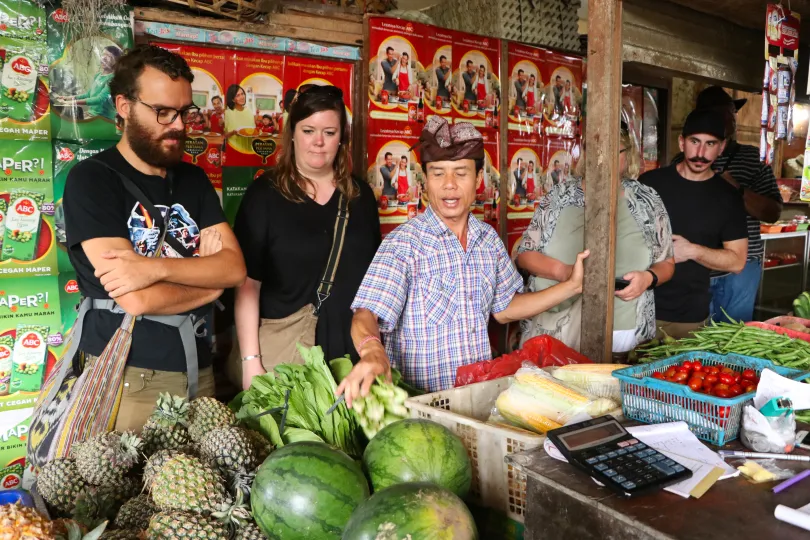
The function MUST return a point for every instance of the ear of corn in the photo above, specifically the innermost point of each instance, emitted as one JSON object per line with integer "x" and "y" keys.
{"x": 596, "y": 379}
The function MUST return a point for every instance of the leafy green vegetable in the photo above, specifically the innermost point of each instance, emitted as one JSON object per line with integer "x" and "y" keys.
{"x": 312, "y": 393}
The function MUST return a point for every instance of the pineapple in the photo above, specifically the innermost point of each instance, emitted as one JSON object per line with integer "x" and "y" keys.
{"x": 103, "y": 459}
{"x": 229, "y": 449}
{"x": 60, "y": 484}
{"x": 70, "y": 530}
{"x": 186, "y": 483}
{"x": 207, "y": 413}
{"x": 168, "y": 425}
{"x": 135, "y": 513}
{"x": 250, "y": 531}
{"x": 95, "y": 506}
{"x": 20, "y": 523}
{"x": 156, "y": 461}
{"x": 263, "y": 446}
{"x": 184, "y": 525}
{"x": 122, "y": 534}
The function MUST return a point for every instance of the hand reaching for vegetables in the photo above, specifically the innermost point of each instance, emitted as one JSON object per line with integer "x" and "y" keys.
{"x": 372, "y": 364}
{"x": 639, "y": 282}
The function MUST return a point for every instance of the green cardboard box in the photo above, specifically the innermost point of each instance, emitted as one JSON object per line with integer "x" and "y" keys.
{"x": 65, "y": 156}
{"x": 27, "y": 227}
{"x": 80, "y": 73}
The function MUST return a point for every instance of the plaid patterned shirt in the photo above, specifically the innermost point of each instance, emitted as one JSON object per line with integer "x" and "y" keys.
{"x": 433, "y": 299}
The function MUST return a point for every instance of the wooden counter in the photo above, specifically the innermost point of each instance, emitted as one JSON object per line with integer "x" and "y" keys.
{"x": 564, "y": 503}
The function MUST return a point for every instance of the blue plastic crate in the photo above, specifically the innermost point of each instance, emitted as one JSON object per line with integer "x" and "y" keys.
{"x": 710, "y": 418}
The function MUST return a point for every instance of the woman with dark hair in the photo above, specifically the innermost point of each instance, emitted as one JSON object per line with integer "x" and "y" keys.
{"x": 97, "y": 98}
{"x": 237, "y": 115}
{"x": 286, "y": 225}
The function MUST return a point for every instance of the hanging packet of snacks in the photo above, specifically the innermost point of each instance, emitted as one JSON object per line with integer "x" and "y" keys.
{"x": 781, "y": 62}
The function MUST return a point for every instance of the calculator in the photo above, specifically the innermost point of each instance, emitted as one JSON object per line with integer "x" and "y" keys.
{"x": 605, "y": 450}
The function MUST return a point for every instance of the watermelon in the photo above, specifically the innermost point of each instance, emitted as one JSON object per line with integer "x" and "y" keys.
{"x": 416, "y": 450}
{"x": 420, "y": 511}
{"x": 306, "y": 490}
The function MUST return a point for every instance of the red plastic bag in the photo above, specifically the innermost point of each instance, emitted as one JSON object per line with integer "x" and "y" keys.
{"x": 542, "y": 351}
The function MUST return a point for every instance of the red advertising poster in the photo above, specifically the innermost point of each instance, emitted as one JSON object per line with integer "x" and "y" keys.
{"x": 253, "y": 109}
{"x": 478, "y": 86}
{"x": 394, "y": 171}
{"x": 211, "y": 68}
{"x": 439, "y": 72}
{"x": 525, "y": 184}
{"x": 487, "y": 198}
{"x": 301, "y": 71}
{"x": 562, "y": 96}
{"x": 526, "y": 84}
{"x": 560, "y": 159}
{"x": 397, "y": 73}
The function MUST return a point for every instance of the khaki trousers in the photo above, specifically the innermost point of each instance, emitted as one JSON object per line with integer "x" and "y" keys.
{"x": 141, "y": 389}
{"x": 677, "y": 330}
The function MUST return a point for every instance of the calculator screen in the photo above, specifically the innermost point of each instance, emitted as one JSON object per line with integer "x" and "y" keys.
{"x": 588, "y": 436}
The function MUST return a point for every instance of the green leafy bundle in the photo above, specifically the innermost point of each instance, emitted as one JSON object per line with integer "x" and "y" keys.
{"x": 311, "y": 393}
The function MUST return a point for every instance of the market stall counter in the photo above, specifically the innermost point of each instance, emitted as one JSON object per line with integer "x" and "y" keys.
{"x": 563, "y": 502}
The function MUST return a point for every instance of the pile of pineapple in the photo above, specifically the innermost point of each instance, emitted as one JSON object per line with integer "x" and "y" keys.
{"x": 188, "y": 475}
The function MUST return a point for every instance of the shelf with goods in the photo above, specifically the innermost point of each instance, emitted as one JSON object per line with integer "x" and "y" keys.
{"x": 778, "y": 289}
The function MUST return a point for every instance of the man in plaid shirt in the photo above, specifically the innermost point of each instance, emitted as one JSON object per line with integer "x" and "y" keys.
{"x": 437, "y": 278}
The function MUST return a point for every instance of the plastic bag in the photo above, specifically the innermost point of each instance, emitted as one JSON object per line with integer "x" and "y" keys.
{"x": 760, "y": 433}
{"x": 537, "y": 401}
{"x": 764, "y": 470}
{"x": 542, "y": 351}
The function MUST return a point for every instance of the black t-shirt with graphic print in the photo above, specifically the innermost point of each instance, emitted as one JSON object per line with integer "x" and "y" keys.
{"x": 97, "y": 205}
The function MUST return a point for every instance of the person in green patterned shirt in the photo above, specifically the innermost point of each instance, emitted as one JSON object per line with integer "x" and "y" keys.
{"x": 96, "y": 100}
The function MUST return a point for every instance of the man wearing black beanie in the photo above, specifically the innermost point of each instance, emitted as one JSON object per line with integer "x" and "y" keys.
{"x": 708, "y": 224}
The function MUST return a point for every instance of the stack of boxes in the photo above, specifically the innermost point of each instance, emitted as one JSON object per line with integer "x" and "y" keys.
{"x": 53, "y": 114}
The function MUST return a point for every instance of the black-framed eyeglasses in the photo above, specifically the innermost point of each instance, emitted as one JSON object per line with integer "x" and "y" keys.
{"x": 623, "y": 150}
{"x": 167, "y": 115}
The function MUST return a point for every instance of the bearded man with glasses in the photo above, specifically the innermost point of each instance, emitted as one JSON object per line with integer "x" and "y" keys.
{"x": 147, "y": 236}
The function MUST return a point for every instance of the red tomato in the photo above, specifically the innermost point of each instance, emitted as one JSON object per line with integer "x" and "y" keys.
{"x": 723, "y": 412}
{"x": 699, "y": 374}
{"x": 697, "y": 365}
{"x": 707, "y": 388}
{"x": 722, "y": 392}
{"x": 714, "y": 370}
{"x": 727, "y": 378}
{"x": 681, "y": 377}
{"x": 727, "y": 370}
{"x": 720, "y": 386}
{"x": 735, "y": 390}
{"x": 687, "y": 365}
{"x": 711, "y": 379}
{"x": 749, "y": 374}
{"x": 658, "y": 375}
{"x": 737, "y": 378}
{"x": 671, "y": 371}
{"x": 695, "y": 383}
{"x": 750, "y": 388}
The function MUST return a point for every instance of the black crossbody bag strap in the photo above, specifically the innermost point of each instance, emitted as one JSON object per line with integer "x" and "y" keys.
{"x": 328, "y": 279}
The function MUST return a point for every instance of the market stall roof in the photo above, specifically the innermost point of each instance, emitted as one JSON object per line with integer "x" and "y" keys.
{"x": 748, "y": 13}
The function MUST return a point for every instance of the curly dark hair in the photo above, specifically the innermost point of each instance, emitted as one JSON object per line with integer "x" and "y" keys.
{"x": 130, "y": 66}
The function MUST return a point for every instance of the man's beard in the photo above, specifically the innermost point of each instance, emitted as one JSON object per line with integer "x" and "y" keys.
{"x": 149, "y": 149}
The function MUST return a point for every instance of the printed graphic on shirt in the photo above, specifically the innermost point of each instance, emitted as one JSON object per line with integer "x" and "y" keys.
{"x": 182, "y": 233}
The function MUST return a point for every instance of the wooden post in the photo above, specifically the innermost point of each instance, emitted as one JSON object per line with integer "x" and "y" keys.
{"x": 601, "y": 175}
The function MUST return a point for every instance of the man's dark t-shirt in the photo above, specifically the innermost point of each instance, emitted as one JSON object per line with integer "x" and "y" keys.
{"x": 706, "y": 213}
{"x": 97, "y": 205}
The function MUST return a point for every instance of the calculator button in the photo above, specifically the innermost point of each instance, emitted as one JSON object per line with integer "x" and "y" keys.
{"x": 602, "y": 457}
{"x": 610, "y": 472}
{"x": 619, "y": 479}
{"x": 623, "y": 444}
{"x": 600, "y": 467}
{"x": 612, "y": 455}
{"x": 664, "y": 469}
{"x": 632, "y": 441}
{"x": 677, "y": 468}
{"x": 649, "y": 459}
{"x": 641, "y": 446}
{"x": 659, "y": 457}
{"x": 591, "y": 461}
{"x": 621, "y": 452}
{"x": 628, "y": 485}
{"x": 669, "y": 462}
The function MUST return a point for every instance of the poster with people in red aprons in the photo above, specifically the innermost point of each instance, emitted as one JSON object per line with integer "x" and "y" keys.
{"x": 524, "y": 185}
{"x": 562, "y": 95}
{"x": 526, "y": 86}
{"x": 440, "y": 82}
{"x": 394, "y": 172}
{"x": 560, "y": 159}
{"x": 477, "y": 91}
{"x": 397, "y": 73}
{"x": 299, "y": 73}
{"x": 487, "y": 196}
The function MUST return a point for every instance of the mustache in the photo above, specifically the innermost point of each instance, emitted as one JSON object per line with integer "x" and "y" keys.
{"x": 178, "y": 134}
{"x": 699, "y": 160}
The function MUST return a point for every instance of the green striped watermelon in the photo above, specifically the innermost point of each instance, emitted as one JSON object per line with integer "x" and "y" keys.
{"x": 307, "y": 491}
{"x": 416, "y": 450}
{"x": 419, "y": 511}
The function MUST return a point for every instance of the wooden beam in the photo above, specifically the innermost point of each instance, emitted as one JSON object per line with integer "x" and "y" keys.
{"x": 304, "y": 32}
{"x": 601, "y": 175}
{"x": 503, "y": 140}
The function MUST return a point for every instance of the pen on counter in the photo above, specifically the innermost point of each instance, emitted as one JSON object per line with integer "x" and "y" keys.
{"x": 792, "y": 480}
{"x": 761, "y": 455}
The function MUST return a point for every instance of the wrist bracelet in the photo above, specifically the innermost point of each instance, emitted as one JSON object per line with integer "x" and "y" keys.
{"x": 366, "y": 340}
{"x": 252, "y": 357}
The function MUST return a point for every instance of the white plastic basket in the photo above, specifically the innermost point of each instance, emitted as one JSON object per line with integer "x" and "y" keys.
{"x": 464, "y": 411}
